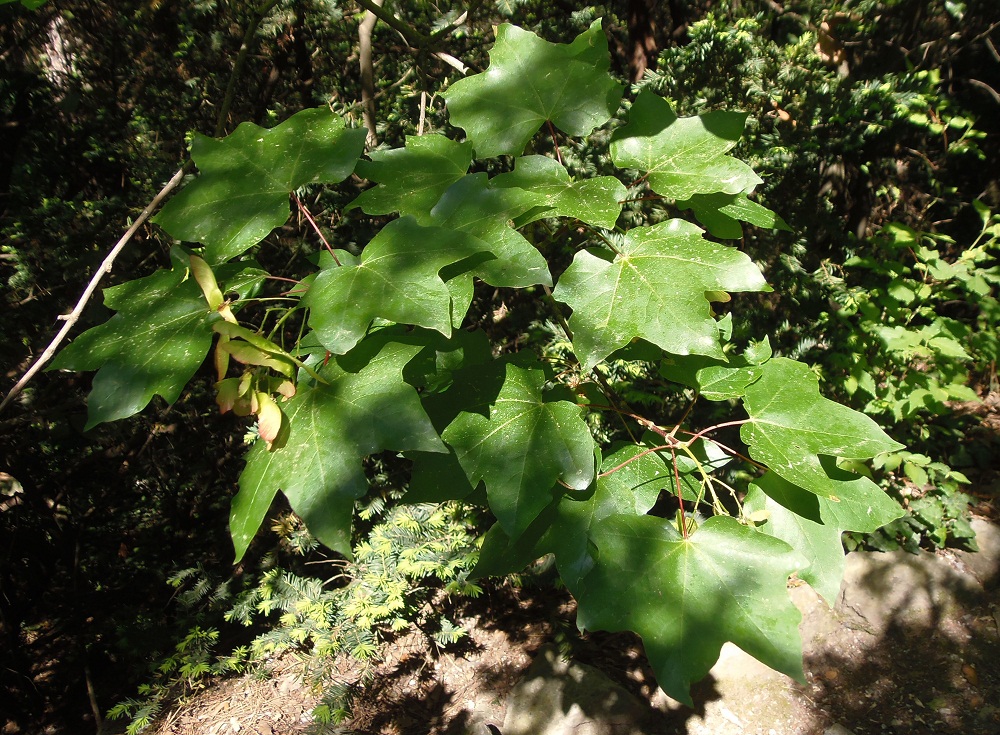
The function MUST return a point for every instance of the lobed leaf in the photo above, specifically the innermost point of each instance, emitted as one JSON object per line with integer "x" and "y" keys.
{"x": 152, "y": 346}
{"x": 241, "y": 193}
{"x": 812, "y": 525}
{"x": 410, "y": 180}
{"x": 654, "y": 289}
{"x": 682, "y": 156}
{"x": 686, "y": 597}
{"x": 331, "y": 428}
{"x": 798, "y": 434}
{"x": 530, "y": 81}
{"x": 596, "y": 201}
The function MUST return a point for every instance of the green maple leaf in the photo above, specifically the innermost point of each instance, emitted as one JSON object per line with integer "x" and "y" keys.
{"x": 242, "y": 191}
{"x": 595, "y": 201}
{"x": 470, "y": 205}
{"x": 412, "y": 179}
{"x": 152, "y": 346}
{"x": 398, "y": 279}
{"x": 686, "y": 597}
{"x": 682, "y": 156}
{"x": 721, "y": 214}
{"x": 330, "y": 428}
{"x": 798, "y": 434}
{"x": 655, "y": 288}
{"x": 531, "y": 81}
{"x": 813, "y": 525}
{"x": 715, "y": 380}
{"x": 520, "y": 442}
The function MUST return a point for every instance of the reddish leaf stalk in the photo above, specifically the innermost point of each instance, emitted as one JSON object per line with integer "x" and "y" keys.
{"x": 305, "y": 210}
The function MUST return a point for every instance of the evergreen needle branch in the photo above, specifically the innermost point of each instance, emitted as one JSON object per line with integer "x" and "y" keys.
{"x": 74, "y": 316}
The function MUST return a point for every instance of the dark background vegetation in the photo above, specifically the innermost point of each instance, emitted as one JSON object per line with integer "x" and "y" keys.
{"x": 849, "y": 105}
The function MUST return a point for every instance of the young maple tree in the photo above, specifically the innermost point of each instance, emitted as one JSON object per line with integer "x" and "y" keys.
{"x": 385, "y": 361}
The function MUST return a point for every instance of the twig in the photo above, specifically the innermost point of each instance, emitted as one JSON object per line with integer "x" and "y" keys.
{"x": 74, "y": 315}
{"x": 368, "y": 111}
{"x": 220, "y": 125}
{"x": 410, "y": 34}
{"x": 241, "y": 57}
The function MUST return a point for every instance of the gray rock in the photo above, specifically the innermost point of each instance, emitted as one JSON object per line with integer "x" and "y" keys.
{"x": 985, "y": 563}
{"x": 836, "y": 729}
{"x": 899, "y": 588}
{"x": 556, "y": 697}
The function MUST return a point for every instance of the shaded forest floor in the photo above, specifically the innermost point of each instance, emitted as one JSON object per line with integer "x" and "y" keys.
{"x": 913, "y": 647}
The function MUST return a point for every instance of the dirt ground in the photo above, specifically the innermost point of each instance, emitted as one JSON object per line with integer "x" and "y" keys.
{"x": 917, "y": 676}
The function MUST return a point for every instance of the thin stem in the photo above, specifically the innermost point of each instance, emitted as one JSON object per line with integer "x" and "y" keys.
{"x": 410, "y": 34}
{"x": 701, "y": 433}
{"x": 640, "y": 455}
{"x": 680, "y": 495}
{"x": 305, "y": 210}
{"x": 555, "y": 141}
{"x": 241, "y": 58}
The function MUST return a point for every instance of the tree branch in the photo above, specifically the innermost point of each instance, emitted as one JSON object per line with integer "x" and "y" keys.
{"x": 241, "y": 57}
{"x": 368, "y": 111}
{"x": 74, "y": 315}
{"x": 413, "y": 37}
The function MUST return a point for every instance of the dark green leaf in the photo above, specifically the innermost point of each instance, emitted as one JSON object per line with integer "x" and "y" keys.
{"x": 812, "y": 525}
{"x": 596, "y": 201}
{"x": 686, "y": 597}
{"x": 331, "y": 428}
{"x": 721, "y": 214}
{"x": 152, "y": 346}
{"x": 682, "y": 156}
{"x": 471, "y": 206}
{"x": 797, "y": 433}
{"x": 531, "y": 81}
{"x": 241, "y": 193}
{"x": 520, "y": 445}
{"x": 398, "y": 279}
{"x": 412, "y": 179}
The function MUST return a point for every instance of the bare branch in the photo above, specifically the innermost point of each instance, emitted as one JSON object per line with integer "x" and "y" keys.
{"x": 369, "y": 112}
{"x": 71, "y": 318}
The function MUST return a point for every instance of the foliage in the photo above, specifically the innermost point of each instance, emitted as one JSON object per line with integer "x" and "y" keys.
{"x": 887, "y": 279}
{"x": 385, "y": 358}
{"x": 414, "y": 559}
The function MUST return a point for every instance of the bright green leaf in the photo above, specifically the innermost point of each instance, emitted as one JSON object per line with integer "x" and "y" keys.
{"x": 722, "y": 213}
{"x": 471, "y": 206}
{"x": 520, "y": 444}
{"x": 686, "y": 597}
{"x": 241, "y": 193}
{"x": 812, "y": 525}
{"x": 797, "y": 433}
{"x": 596, "y": 201}
{"x": 398, "y": 279}
{"x": 654, "y": 289}
{"x": 412, "y": 179}
{"x": 531, "y": 81}
{"x": 682, "y": 156}
{"x": 152, "y": 346}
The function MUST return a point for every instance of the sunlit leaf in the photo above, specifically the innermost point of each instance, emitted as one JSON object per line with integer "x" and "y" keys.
{"x": 686, "y": 597}
{"x": 531, "y": 81}
{"x": 654, "y": 289}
